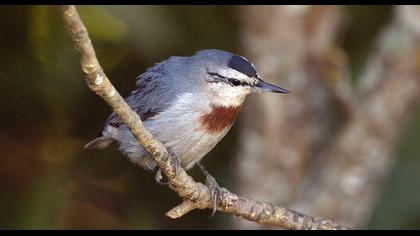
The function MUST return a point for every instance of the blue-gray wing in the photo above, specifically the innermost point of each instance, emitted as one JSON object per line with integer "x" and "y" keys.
{"x": 153, "y": 95}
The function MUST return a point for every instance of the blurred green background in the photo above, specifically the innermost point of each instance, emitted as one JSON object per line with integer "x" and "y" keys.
{"x": 47, "y": 180}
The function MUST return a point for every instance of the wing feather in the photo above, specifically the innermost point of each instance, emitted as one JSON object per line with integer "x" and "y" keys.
{"x": 149, "y": 99}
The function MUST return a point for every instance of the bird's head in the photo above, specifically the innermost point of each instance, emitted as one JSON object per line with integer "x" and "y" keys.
{"x": 228, "y": 78}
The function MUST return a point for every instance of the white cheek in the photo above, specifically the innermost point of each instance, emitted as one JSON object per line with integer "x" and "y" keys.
{"x": 227, "y": 95}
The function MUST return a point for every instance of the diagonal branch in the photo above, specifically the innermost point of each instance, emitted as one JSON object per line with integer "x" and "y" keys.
{"x": 195, "y": 195}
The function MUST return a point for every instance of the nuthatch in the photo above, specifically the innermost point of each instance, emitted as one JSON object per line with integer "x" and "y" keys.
{"x": 188, "y": 104}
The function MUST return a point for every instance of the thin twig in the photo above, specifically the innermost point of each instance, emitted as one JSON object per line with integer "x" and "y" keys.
{"x": 195, "y": 195}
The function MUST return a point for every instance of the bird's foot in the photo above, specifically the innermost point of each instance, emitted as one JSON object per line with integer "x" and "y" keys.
{"x": 177, "y": 162}
{"x": 212, "y": 184}
{"x": 177, "y": 165}
{"x": 159, "y": 177}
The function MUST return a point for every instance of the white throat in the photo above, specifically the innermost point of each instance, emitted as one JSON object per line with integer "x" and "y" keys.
{"x": 225, "y": 95}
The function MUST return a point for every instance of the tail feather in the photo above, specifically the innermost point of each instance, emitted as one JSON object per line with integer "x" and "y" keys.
{"x": 100, "y": 142}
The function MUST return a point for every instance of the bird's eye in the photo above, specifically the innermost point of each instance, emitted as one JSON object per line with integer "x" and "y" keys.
{"x": 235, "y": 82}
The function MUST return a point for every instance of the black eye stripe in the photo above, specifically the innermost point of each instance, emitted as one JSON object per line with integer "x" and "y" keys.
{"x": 217, "y": 75}
{"x": 235, "y": 82}
{"x": 231, "y": 81}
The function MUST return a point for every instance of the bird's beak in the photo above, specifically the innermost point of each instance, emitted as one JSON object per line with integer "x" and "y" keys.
{"x": 262, "y": 86}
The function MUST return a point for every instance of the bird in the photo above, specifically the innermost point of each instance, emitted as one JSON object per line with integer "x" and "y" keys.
{"x": 188, "y": 103}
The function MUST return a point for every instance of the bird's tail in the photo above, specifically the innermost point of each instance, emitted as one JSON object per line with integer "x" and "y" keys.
{"x": 100, "y": 142}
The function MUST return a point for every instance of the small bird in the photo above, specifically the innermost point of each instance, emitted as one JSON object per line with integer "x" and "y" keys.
{"x": 188, "y": 104}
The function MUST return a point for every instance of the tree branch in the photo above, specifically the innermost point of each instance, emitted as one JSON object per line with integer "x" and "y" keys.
{"x": 195, "y": 195}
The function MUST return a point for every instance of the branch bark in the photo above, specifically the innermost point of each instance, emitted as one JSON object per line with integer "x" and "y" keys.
{"x": 194, "y": 194}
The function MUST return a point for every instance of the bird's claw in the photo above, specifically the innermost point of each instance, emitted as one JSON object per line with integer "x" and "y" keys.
{"x": 177, "y": 162}
{"x": 177, "y": 166}
{"x": 158, "y": 178}
{"x": 215, "y": 193}
{"x": 214, "y": 187}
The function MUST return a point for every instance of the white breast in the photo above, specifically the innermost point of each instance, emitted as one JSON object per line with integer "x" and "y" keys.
{"x": 179, "y": 128}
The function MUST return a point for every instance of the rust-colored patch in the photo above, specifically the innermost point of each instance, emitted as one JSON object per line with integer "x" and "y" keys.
{"x": 219, "y": 118}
